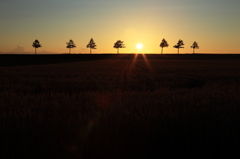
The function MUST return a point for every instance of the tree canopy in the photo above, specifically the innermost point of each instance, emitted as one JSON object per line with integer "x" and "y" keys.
{"x": 70, "y": 45}
{"x": 119, "y": 44}
{"x": 195, "y": 46}
{"x": 36, "y": 44}
{"x": 163, "y": 44}
{"x": 179, "y": 45}
{"x": 91, "y": 45}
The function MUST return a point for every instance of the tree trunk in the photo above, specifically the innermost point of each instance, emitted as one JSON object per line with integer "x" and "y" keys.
{"x": 118, "y": 51}
{"x": 193, "y": 51}
{"x": 162, "y": 51}
{"x": 35, "y": 51}
{"x": 69, "y": 50}
{"x": 90, "y": 50}
{"x": 178, "y": 50}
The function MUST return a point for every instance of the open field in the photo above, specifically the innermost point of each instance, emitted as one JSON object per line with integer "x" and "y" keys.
{"x": 119, "y": 106}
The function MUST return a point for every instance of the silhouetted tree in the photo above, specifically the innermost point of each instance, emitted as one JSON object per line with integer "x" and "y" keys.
{"x": 195, "y": 46}
{"x": 36, "y": 44}
{"x": 179, "y": 45}
{"x": 119, "y": 44}
{"x": 91, "y": 45}
{"x": 163, "y": 44}
{"x": 70, "y": 45}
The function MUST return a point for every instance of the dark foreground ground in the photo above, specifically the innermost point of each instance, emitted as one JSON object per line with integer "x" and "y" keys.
{"x": 18, "y": 59}
{"x": 119, "y": 106}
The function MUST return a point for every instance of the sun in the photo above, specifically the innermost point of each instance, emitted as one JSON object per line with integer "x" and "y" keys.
{"x": 139, "y": 46}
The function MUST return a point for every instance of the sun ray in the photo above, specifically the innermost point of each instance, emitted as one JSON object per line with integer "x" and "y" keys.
{"x": 133, "y": 62}
{"x": 147, "y": 63}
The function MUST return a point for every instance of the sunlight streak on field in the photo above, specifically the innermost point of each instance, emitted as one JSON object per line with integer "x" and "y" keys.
{"x": 147, "y": 63}
{"x": 134, "y": 61}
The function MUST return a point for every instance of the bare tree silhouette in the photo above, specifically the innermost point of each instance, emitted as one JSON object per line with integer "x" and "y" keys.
{"x": 179, "y": 45}
{"x": 91, "y": 45}
{"x": 70, "y": 45}
{"x": 36, "y": 44}
{"x": 195, "y": 46}
{"x": 119, "y": 44}
{"x": 163, "y": 44}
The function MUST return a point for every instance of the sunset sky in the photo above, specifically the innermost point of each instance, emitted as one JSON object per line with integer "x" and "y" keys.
{"x": 214, "y": 24}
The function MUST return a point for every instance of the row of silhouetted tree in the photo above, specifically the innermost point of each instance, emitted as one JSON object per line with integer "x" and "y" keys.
{"x": 119, "y": 44}
{"x": 179, "y": 45}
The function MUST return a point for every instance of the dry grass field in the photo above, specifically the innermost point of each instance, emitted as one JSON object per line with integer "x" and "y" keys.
{"x": 119, "y": 106}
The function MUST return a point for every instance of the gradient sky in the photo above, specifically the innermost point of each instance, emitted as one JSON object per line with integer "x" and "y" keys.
{"x": 214, "y": 24}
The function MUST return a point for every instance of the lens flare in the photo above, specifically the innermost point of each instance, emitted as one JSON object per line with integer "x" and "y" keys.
{"x": 139, "y": 46}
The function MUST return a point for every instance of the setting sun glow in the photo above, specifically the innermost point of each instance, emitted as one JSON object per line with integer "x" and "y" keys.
{"x": 139, "y": 46}
{"x": 142, "y": 26}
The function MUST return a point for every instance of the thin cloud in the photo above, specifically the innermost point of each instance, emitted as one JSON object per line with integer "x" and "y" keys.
{"x": 47, "y": 52}
{"x": 18, "y": 49}
{"x": 84, "y": 50}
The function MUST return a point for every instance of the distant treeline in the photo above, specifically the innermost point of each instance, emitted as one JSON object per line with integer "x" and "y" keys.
{"x": 119, "y": 44}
